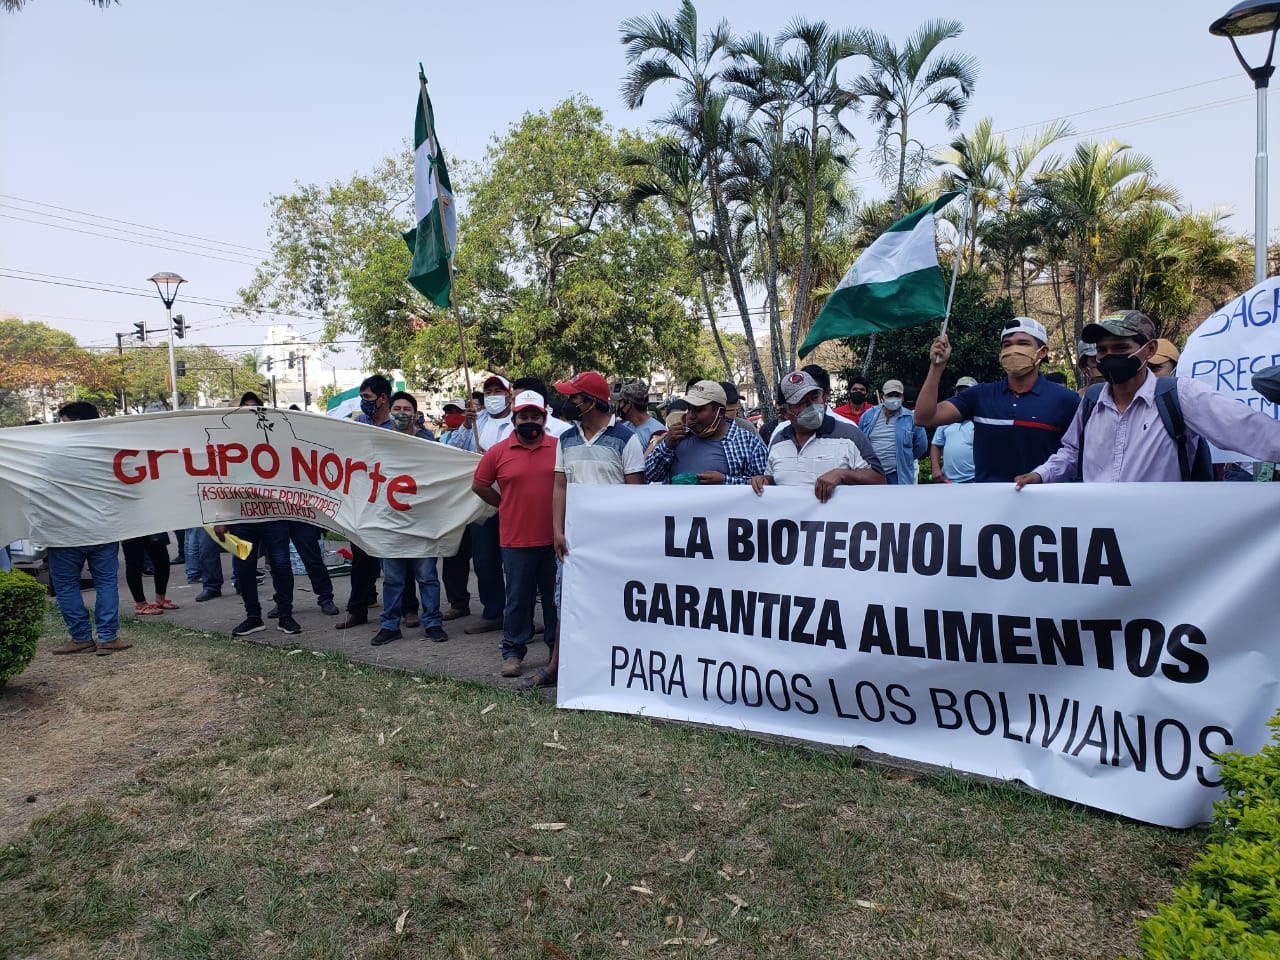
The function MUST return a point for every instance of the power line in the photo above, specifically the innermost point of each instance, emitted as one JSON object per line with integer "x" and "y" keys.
{"x": 98, "y": 216}
{"x": 140, "y": 243}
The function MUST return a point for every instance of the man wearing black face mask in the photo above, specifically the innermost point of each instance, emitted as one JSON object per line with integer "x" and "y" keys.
{"x": 632, "y": 399}
{"x": 1128, "y": 436}
{"x": 523, "y": 467}
{"x": 859, "y": 399}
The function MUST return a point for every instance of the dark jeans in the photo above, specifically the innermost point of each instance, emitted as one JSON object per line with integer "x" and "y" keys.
{"x": 487, "y": 555}
{"x": 210, "y": 555}
{"x": 306, "y": 540}
{"x": 65, "y": 564}
{"x": 455, "y": 571}
{"x": 530, "y": 572}
{"x": 364, "y": 580}
{"x": 271, "y": 538}
{"x": 135, "y": 548}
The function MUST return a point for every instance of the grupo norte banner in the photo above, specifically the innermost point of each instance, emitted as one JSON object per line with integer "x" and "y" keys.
{"x": 1058, "y": 635}
{"x": 94, "y": 481}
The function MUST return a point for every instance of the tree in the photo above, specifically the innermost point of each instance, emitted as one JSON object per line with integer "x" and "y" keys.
{"x": 37, "y": 360}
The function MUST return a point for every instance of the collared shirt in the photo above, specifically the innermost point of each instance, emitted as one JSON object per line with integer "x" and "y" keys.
{"x": 647, "y": 429}
{"x": 606, "y": 457}
{"x": 838, "y": 445}
{"x": 955, "y": 440}
{"x": 1012, "y": 432}
{"x": 387, "y": 424}
{"x": 744, "y": 452}
{"x": 1135, "y": 446}
{"x": 526, "y": 477}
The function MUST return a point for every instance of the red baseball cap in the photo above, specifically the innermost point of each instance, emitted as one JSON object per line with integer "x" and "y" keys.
{"x": 588, "y": 382}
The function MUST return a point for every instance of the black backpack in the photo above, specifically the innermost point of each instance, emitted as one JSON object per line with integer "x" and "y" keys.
{"x": 1170, "y": 410}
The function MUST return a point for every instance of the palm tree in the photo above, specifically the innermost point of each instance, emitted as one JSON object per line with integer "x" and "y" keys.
{"x": 979, "y": 159}
{"x": 900, "y": 83}
{"x": 659, "y": 50}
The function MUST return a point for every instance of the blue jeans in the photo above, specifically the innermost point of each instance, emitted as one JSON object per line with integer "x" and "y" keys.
{"x": 487, "y": 555}
{"x": 65, "y": 564}
{"x": 209, "y": 557}
{"x": 306, "y": 539}
{"x": 272, "y": 538}
{"x": 396, "y": 574}
{"x": 531, "y": 571}
{"x": 191, "y": 547}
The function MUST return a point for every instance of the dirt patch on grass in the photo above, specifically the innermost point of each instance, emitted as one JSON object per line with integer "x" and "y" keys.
{"x": 72, "y": 727}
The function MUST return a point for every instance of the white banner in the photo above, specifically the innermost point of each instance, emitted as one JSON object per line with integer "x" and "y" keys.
{"x": 100, "y": 480}
{"x": 1097, "y": 642}
{"x": 1233, "y": 344}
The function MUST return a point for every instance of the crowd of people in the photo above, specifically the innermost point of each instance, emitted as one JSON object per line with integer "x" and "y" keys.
{"x": 1029, "y": 427}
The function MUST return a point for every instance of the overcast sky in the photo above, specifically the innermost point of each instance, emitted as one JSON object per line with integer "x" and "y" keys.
{"x": 188, "y": 116}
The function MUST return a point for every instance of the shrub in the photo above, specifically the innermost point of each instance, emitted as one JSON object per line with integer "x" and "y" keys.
{"x": 1230, "y": 904}
{"x": 22, "y": 606}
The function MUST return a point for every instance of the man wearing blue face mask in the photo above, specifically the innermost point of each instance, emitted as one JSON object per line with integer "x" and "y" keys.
{"x": 894, "y": 436}
{"x": 813, "y": 448}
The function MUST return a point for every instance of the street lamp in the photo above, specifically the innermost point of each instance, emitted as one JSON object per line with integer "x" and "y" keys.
{"x": 1244, "y": 20}
{"x": 167, "y": 284}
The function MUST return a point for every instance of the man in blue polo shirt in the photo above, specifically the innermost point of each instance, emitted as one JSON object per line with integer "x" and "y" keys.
{"x": 1018, "y": 422}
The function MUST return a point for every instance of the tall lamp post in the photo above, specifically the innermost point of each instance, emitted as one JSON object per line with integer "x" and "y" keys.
{"x": 167, "y": 284}
{"x": 1244, "y": 20}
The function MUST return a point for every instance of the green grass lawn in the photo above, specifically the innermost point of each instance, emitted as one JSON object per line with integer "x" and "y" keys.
{"x": 348, "y": 812}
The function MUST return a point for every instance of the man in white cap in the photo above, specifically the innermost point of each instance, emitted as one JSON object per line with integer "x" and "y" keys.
{"x": 454, "y": 416}
{"x": 957, "y": 440}
{"x": 812, "y": 448}
{"x": 482, "y": 430}
{"x": 894, "y": 436}
{"x": 517, "y": 475}
{"x": 1019, "y": 421}
{"x": 706, "y": 444}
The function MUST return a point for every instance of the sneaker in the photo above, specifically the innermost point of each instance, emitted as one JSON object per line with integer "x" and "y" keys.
{"x": 411, "y": 620}
{"x": 328, "y": 608}
{"x": 112, "y": 646}
{"x": 436, "y": 635}
{"x": 511, "y": 666}
{"x": 204, "y": 595}
{"x": 456, "y": 613}
{"x": 484, "y": 626}
{"x": 73, "y": 647}
{"x": 288, "y": 625}
{"x": 384, "y": 636}
{"x": 273, "y": 612}
{"x": 249, "y": 625}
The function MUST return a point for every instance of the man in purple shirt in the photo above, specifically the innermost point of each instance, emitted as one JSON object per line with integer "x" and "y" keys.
{"x": 1126, "y": 439}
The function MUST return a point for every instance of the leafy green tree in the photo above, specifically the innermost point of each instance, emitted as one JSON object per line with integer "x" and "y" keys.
{"x": 38, "y": 360}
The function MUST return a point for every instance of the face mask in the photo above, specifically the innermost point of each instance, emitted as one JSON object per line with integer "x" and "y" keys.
{"x": 369, "y": 408}
{"x": 402, "y": 420}
{"x": 857, "y": 399}
{"x": 529, "y": 432}
{"x": 715, "y": 425}
{"x": 810, "y": 418}
{"x": 893, "y": 404}
{"x": 1018, "y": 361}
{"x": 454, "y": 420}
{"x": 620, "y": 411}
{"x": 495, "y": 404}
{"x": 1118, "y": 369}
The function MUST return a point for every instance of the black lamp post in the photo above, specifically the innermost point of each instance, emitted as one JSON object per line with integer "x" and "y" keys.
{"x": 167, "y": 284}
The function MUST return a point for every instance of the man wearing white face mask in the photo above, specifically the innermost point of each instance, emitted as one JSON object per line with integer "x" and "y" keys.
{"x": 894, "y": 436}
{"x": 813, "y": 448}
{"x": 1018, "y": 422}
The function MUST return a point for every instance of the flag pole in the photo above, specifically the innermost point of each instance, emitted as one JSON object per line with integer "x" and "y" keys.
{"x": 435, "y": 175}
{"x": 955, "y": 267}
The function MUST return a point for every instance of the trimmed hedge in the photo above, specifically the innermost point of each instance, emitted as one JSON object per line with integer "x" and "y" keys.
{"x": 22, "y": 606}
{"x": 1230, "y": 904}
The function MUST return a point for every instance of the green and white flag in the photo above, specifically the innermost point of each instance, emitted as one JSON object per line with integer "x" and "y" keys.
{"x": 435, "y": 237}
{"x": 896, "y": 283}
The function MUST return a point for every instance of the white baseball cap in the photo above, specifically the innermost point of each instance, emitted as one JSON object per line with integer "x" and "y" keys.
{"x": 529, "y": 398}
{"x": 1026, "y": 325}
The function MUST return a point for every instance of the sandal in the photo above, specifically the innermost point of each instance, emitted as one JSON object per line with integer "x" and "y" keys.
{"x": 165, "y": 605}
{"x": 146, "y": 610}
{"x": 539, "y": 678}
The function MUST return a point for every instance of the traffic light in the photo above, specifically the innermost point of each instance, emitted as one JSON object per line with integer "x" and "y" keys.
{"x": 141, "y": 329}
{"x": 291, "y": 359}
{"x": 180, "y": 367}
{"x": 307, "y": 398}
{"x": 180, "y": 326}
{"x": 270, "y": 362}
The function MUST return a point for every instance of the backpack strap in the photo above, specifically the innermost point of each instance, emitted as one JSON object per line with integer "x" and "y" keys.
{"x": 1087, "y": 404}
{"x": 1170, "y": 410}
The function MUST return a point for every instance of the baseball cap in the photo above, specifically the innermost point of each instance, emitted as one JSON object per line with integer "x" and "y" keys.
{"x": 1127, "y": 323}
{"x": 1026, "y": 325}
{"x": 704, "y": 392}
{"x": 506, "y": 384}
{"x": 892, "y": 386}
{"x": 1086, "y": 349}
{"x": 1165, "y": 352}
{"x": 634, "y": 391}
{"x": 529, "y": 398}
{"x": 797, "y": 385}
{"x": 455, "y": 402}
{"x": 588, "y": 382}
{"x": 966, "y": 382}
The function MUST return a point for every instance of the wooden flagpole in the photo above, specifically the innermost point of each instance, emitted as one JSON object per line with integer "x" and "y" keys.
{"x": 955, "y": 267}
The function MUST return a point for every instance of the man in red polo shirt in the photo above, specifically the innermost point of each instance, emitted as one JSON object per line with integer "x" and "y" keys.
{"x": 517, "y": 475}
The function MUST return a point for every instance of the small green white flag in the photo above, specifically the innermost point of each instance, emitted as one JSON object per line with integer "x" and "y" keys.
{"x": 435, "y": 237}
{"x": 895, "y": 283}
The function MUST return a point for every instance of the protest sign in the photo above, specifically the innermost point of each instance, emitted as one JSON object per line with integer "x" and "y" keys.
{"x": 94, "y": 481}
{"x": 1050, "y": 635}
{"x": 1233, "y": 344}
